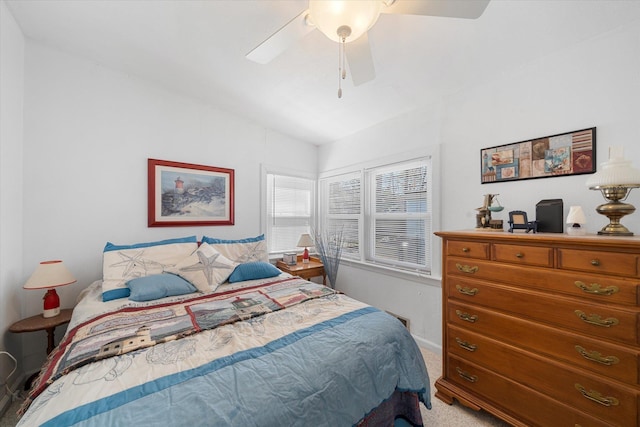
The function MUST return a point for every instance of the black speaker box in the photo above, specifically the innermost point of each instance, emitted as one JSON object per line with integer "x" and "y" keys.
{"x": 549, "y": 216}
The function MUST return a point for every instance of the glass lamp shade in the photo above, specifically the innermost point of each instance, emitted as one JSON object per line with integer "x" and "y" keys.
{"x": 49, "y": 275}
{"x": 575, "y": 221}
{"x": 576, "y": 215}
{"x": 330, "y": 15}
{"x": 615, "y": 172}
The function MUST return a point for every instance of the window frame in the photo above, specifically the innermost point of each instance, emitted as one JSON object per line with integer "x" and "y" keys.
{"x": 371, "y": 215}
{"x": 433, "y": 250}
{"x": 325, "y": 216}
{"x": 265, "y": 208}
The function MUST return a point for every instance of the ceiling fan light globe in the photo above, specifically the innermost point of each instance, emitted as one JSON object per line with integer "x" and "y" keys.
{"x": 330, "y": 15}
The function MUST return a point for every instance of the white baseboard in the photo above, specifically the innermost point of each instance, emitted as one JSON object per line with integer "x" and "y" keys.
{"x": 15, "y": 385}
{"x": 428, "y": 345}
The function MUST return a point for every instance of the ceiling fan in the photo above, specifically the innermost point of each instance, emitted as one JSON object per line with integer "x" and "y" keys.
{"x": 347, "y": 22}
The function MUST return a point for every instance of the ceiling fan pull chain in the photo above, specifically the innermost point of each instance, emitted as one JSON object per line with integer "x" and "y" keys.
{"x": 344, "y": 31}
{"x": 339, "y": 70}
{"x": 344, "y": 60}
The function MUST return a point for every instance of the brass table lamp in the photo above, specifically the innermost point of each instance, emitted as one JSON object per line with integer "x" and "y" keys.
{"x": 615, "y": 181}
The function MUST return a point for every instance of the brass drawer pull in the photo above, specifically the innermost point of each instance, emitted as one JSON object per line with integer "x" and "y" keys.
{"x": 596, "y": 356}
{"x": 596, "y": 288}
{"x": 467, "y": 376}
{"x": 466, "y": 290}
{"x": 597, "y": 396}
{"x": 519, "y": 255}
{"x": 596, "y": 319}
{"x": 595, "y": 262}
{"x": 466, "y": 345}
{"x": 467, "y": 268}
{"x": 471, "y": 318}
{"x": 465, "y": 249}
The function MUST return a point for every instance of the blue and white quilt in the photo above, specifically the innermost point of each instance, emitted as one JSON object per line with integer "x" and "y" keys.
{"x": 276, "y": 352}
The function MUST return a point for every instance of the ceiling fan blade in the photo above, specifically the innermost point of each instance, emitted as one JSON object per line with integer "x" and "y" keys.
{"x": 281, "y": 40}
{"x": 468, "y": 9}
{"x": 360, "y": 61}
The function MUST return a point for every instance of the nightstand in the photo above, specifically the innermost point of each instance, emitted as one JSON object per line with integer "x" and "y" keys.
{"x": 311, "y": 269}
{"x": 40, "y": 323}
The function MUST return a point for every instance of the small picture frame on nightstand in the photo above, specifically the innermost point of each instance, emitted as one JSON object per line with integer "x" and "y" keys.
{"x": 290, "y": 258}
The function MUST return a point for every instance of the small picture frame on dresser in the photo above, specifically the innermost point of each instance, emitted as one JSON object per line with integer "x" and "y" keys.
{"x": 518, "y": 221}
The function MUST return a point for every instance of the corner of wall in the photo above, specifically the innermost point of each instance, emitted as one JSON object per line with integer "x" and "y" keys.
{"x": 12, "y": 47}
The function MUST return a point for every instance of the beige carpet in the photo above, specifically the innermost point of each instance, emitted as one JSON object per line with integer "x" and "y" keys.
{"x": 454, "y": 415}
{"x": 441, "y": 414}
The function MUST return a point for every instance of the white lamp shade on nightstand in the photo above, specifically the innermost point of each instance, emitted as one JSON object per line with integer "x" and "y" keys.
{"x": 305, "y": 241}
{"x": 49, "y": 275}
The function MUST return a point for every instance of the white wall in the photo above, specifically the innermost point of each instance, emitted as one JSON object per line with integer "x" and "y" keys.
{"x": 89, "y": 131}
{"x": 417, "y": 299}
{"x": 11, "y": 86}
{"x": 593, "y": 83}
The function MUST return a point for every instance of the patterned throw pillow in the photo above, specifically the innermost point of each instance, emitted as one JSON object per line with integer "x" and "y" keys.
{"x": 206, "y": 268}
{"x": 121, "y": 263}
{"x": 241, "y": 250}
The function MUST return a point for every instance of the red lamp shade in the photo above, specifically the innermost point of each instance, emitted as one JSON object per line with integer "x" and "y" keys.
{"x": 49, "y": 275}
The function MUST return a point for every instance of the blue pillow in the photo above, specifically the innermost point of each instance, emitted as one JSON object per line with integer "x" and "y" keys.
{"x": 158, "y": 286}
{"x": 213, "y": 240}
{"x": 253, "y": 270}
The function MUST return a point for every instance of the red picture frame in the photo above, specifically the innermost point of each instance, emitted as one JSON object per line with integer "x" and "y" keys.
{"x": 186, "y": 194}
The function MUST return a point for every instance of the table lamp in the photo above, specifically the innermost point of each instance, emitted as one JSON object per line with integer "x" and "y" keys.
{"x": 305, "y": 241}
{"x": 576, "y": 221}
{"x": 615, "y": 181}
{"x": 49, "y": 275}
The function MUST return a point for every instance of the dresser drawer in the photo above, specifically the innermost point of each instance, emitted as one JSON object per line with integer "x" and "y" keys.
{"x": 610, "y": 401}
{"x": 597, "y": 288}
{"x": 524, "y": 255}
{"x": 613, "y": 323}
{"x": 610, "y": 360}
{"x": 534, "y": 408}
{"x": 621, "y": 264}
{"x": 478, "y": 250}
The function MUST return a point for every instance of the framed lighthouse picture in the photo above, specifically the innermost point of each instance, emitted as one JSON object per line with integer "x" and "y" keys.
{"x": 185, "y": 194}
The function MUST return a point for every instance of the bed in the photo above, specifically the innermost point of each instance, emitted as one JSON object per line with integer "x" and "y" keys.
{"x": 241, "y": 345}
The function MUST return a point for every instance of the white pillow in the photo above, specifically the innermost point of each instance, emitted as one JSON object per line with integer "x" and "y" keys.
{"x": 206, "y": 268}
{"x": 242, "y": 250}
{"x": 121, "y": 263}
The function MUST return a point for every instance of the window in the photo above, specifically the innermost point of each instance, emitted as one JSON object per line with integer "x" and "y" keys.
{"x": 384, "y": 213}
{"x": 289, "y": 210}
{"x": 342, "y": 211}
{"x": 397, "y": 215}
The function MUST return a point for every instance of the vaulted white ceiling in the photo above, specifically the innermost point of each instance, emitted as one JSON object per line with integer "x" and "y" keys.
{"x": 198, "y": 48}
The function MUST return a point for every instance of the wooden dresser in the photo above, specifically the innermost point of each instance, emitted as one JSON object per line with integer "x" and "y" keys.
{"x": 542, "y": 329}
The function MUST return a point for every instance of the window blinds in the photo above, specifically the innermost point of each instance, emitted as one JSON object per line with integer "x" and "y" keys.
{"x": 399, "y": 220}
{"x": 342, "y": 200}
{"x": 290, "y": 211}
{"x": 384, "y": 214}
